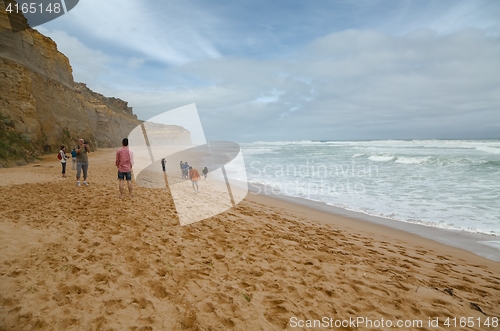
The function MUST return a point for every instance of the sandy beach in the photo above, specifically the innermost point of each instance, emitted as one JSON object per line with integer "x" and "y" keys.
{"x": 80, "y": 258}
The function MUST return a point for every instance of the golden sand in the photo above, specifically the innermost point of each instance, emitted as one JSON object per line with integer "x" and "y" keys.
{"x": 79, "y": 258}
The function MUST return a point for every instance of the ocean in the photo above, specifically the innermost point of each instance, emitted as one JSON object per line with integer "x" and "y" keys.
{"x": 448, "y": 184}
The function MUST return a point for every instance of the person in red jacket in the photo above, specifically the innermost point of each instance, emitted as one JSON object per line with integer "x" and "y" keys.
{"x": 194, "y": 175}
{"x": 124, "y": 163}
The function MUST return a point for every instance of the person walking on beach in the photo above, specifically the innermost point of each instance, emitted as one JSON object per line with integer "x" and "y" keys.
{"x": 73, "y": 159}
{"x": 182, "y": 171}
{"x": 205, "y": 172}
{"x": 62, "y": 157}
{"x": 124, "y": 163}
{"x": 194, "y": 175}
{"x": 82, "y": 161}
{"x": 185, "y": 170}
{"x": 163, "y": 161}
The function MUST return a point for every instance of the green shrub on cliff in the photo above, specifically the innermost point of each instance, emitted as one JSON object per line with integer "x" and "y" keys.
{"x": 14, "y": 146}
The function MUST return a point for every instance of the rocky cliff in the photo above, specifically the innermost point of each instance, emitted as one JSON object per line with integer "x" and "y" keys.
{"x": 42, "y": 108}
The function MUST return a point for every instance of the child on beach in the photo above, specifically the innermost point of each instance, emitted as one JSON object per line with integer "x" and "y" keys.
{"x": 194, "y": 175}
{"x": 205, "y": 172}
{"x": 73, "y": 159}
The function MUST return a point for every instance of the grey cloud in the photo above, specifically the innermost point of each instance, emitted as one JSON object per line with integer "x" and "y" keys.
{"x": 347, "y": 85}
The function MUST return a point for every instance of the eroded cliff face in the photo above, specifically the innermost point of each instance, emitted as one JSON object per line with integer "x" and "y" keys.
{"x": 42, "y": 108}
{"x": 32, "y": 49}
{"x": 41, "y": 101}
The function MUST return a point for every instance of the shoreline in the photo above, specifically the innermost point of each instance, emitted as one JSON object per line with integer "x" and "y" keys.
{"x": 485, "y": 246}
{"x": 478, "y": 244}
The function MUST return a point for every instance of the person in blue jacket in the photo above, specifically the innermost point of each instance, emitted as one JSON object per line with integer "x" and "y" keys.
{"x": 73, "y": 159}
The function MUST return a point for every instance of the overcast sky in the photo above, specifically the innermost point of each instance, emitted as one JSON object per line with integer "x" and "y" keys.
{"x": 296, "y": 70}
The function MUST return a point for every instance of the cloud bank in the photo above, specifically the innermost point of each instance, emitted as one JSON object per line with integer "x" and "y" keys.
{"x": 428, "y": 80}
